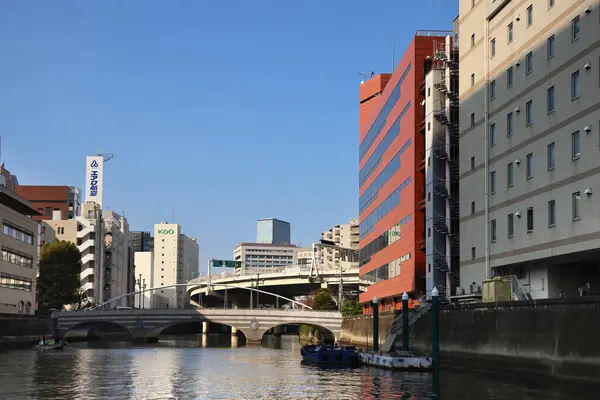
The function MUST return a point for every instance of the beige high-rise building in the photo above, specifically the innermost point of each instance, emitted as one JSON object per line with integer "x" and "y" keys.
{"x": 176, "y": 261}
{"x": 19, "y": 245}
{"x": 529, "y": 144}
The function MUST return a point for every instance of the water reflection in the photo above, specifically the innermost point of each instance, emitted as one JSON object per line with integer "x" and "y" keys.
{"x": 184, "y": 369}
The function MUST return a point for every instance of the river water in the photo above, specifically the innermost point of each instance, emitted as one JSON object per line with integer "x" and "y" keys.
{"x": 183, "y": 369}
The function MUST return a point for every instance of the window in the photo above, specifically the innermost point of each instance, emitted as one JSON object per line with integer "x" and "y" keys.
{"x": 575, "y": 29}
{"x": 428, "y": 232}
{"x": 550, "y": 100}
{"x": 472, "y": 119}
{"x": 551, "y": 156}
{"x": 550, "y": 47}
{"x": 428, "y": 92}
{"x": 509, "y": 175}
{"x": 551, "y": 213}
{"x": 17, "y": 259}
{"x": 472, "y": 80}
{"x": 493, "y": 230}
{"x": 509, "y": 77}
{"x": 529, "y": 112}
{"x": 530, "y": 15}
{"x": 492, "y": 134}
{"x": 511, "y": 225}
{"x": 472, "y": 253}
{"x": 509, "y": 31}
{"x": 528, "y": 63}
{"x": 493, "y": 182}
{"x": 472, "y": 40}
{"x": 509, "y": 124}
{"x": 493, "y": 89}
{"x": 575, "y": 85}
{"x": 576, "y": 205}
{"x": 17, "y": 233}
{"x": 575, "y": 149}
{"x": 493, "y": 47}
{"x": 472, "y": 162}
{"x": 529, "y": 165}
{"x": 550, "y": 3}
{"x": 429, "y": 126}
{"x": 472, "y": 207}
{"x": 530, "y": 219}
{"x": 15, "y": 282}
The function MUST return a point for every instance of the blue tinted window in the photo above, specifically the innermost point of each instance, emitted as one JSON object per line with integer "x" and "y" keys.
{"x": 382, "y": 117}
{"x": 371, "y": 193}
{"x": 375, "y": 158}
{"x": 367, "y": 225}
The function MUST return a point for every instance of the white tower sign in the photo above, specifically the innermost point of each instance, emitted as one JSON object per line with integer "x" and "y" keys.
{"x": 94, "y": 176}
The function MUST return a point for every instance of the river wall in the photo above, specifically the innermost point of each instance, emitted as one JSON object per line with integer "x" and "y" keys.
{"x": 555, "y": 337}
{"x": 358, "y": 330}
{"x": 22, "y": 329}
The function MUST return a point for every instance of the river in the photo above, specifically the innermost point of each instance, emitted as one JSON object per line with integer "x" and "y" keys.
{"x": 183, "y": 369}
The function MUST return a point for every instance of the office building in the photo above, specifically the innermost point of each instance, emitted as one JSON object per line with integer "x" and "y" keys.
{"x": 265, "y": 255}
{"x": 52, "y": 202}
{"x": 273, "y": 231}
{"x": 304, "y": 257}
{"x": 441, "y": 165}
{"x": 19, "y": 246}
{"x": 391, "y": 184}
{"x": 140, "y": 241}
{"x": 145, "y": 279}
{"x": 87, "y": 233}
{"x": 176, "y": 261}
{"x": 529, "y": 144}
{"x": 118, "y": 269}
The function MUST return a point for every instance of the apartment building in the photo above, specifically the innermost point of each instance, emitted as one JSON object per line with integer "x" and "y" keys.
{"x": 338, "y": 247}
{"x": 19, "y": 246}
{"x": 530, "y": 144}
{"x": 176, "y": 261}
{"x": 391, "y": 147}
{"x": 87, "y": 233}
{"x": 118, "y": 268}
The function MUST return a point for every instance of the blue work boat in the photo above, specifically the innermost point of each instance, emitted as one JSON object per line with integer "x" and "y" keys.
{"x": 325, "y": 355}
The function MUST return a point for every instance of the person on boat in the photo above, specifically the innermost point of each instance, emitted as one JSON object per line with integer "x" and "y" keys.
{"x": 43, "y": 340}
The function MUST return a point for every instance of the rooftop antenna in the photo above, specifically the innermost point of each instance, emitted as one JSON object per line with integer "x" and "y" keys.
{"x": 366, "y": 76}
{"x": 173, "y": 216}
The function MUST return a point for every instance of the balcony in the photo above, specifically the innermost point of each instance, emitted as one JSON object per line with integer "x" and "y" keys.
{"x": 422, "y": 205}
{"x": 422, "y": 245}
{"x": 422, "y": 166}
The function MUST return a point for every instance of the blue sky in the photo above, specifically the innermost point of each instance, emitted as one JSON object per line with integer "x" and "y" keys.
{"x": 226, "y": 111}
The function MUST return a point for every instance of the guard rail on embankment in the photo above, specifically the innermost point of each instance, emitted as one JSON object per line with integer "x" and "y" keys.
{"x": 558, "y": 337}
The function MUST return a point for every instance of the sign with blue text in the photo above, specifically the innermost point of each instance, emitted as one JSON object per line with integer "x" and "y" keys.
{"x": 94, "y": 176}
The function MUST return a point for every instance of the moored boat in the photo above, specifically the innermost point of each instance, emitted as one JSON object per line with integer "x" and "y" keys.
{"x": 52, "y": 345}
{"x": 324, "y": 355}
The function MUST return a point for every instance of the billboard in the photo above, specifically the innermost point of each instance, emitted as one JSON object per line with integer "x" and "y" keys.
{"x": 94, "y": 176}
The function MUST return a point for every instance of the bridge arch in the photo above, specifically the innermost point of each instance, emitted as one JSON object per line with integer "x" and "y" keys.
{"x": 96, "y": 330}
{"x": 327, "y": 334}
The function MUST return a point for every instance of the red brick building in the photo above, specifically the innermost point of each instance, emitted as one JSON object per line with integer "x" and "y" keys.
{"x": 53, "y": 202}
{"x": 391, "y": 182}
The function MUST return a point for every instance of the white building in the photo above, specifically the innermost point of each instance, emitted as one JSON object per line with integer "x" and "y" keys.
{"x": 145, "y": 278}
{"x": 338, "y": 248}
{"x": 176, "y": 261}
{"x": 117, "y": 269}
{"x": 264, "y": 255}
{"x": 87, "y": 233}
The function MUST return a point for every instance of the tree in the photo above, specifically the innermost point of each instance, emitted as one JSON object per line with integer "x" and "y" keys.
{"x": 58, "y": 281}
{"x": 322, "y": 300}
{"x": 351, "y": 307}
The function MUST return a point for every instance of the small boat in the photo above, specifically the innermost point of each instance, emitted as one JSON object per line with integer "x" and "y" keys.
{"x": 52, "y": 345}
{"x": 324, "y": 355}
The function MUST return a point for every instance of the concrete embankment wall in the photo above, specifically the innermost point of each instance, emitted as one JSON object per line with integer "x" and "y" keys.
{"x": 15, "y": 329}
{"x": 551, "y": 337}
{"x": 556, "y": 337}
{"x": 358, "y": 331}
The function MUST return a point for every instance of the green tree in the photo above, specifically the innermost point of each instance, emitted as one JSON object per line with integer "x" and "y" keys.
{"x": 322, "y": 300}
{"x": 351, "y": 307}
{"x": 58, "y": 281}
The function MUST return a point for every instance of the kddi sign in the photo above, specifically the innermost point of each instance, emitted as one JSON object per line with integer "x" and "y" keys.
{"x": 166, "y": 231}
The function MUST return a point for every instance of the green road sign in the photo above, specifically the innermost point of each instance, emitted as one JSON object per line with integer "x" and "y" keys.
{"x": 226, "y": 264}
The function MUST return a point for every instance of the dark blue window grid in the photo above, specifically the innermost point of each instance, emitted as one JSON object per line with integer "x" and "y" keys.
{"x": 382, "y": 117}
{"x": 375, "y": 158}
{"x": 371, "y": 193}
{"x": 387, "y": 205}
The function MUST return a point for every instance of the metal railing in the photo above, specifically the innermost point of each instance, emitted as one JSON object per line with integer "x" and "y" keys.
{"x": 433, "y": 33}
{"x": 397, "y": 327}
{"x": 517, "y": 291}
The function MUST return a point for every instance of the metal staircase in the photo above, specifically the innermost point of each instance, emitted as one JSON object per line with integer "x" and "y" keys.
{"x": 397, "y": 329}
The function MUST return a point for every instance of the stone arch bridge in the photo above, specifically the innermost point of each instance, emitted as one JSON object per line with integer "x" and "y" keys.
{"x": 145, "y": 325}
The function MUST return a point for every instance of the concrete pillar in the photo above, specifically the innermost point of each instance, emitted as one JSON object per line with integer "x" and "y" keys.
{"x": 277, "y": 331}
{"x": 205, "y": 328}
{"x": 234, "y": 338}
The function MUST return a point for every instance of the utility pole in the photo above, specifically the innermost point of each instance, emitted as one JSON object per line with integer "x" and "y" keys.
{"x": 144, "y": 297}
{"x": 257, "y": 291}
{"x": 340, "y": 290}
